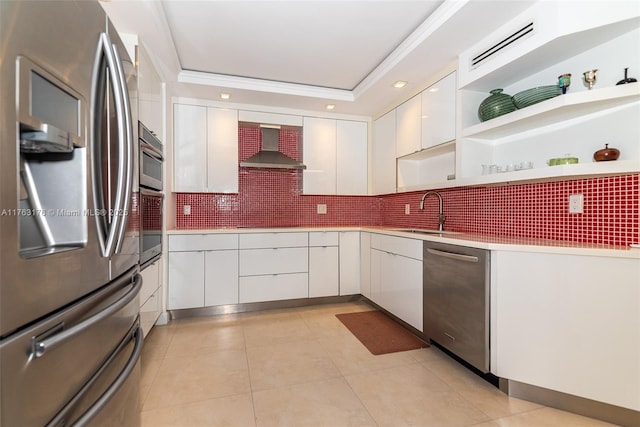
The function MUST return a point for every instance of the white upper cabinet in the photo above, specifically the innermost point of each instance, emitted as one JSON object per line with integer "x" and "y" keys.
{"x": 205, "y": 149}
{"x": 222, "y": 154}
{"x": 335, "y": 153}
{"x": 150, "y": 93}
{"x": 319, "y": 151}
{"x": 351, "y": 158}
{"x": 439, "y": 112}
{"x": 189, "y": 148}
{"x": 408, "y": 122}
{"x": 422, "y": 131}
{"x": 384, "y": 154}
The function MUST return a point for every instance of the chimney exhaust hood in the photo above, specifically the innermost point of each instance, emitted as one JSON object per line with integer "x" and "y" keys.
{"x": 269, "y": 156}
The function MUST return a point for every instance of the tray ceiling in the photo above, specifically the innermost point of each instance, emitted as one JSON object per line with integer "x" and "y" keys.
{"x": 304, "y": 54}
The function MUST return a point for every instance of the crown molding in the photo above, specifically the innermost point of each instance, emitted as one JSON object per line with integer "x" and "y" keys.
{"x": 438, "y": 18}
{"x": 271, "y": 86}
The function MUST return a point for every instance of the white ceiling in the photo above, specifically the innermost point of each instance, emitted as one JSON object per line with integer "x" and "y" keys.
{"x": 319, "y": 43}
{"x": 304, "y": 54}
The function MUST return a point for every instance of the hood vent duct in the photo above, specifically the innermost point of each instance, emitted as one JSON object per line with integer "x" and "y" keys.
{"x": 269, "y": 156}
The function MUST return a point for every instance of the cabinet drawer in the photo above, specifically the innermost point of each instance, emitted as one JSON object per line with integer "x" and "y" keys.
{"x": 411, "y": 248}
{"x": 323, "y": 238}
{"x": 274, "y": 287}
{"x": 202, "y": 242}
{"x": 150, "y": 311}
{"x": 273, "y": 240}
{"x": 150, "y": 281}
{"x": 255, "y": 262}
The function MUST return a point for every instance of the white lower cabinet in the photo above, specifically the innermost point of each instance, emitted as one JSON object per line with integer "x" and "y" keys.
{"x": 150, "y": 280}
{"x": 349, "y": 262}
{"x": 273, "y": 266}
{"x": 365, "y": 264}
{"x": 150, "y": 296}
{"x": 323, "y": 271}
{"x": 186, "y": 280}
{"x": 568, "y": 323}
{"x": 150, "y": 311}
{"x": 201, "y": 277}
{"x": 396, "y": 277}
{"x": 220, "y": 277}
{"x": 324, "y": 276}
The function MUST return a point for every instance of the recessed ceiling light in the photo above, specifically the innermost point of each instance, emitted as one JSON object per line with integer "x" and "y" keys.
{"x": 330, "y": 106}
{"x": 225, "y": 96}
{"x": 399, "y": 84}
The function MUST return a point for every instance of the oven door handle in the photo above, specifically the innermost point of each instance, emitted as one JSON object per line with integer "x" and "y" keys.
{"x": 39, "y": 348}
{"x": 152, "y": 193}
{"x": 134, "y": 334}
{"x": 150, "y": 150}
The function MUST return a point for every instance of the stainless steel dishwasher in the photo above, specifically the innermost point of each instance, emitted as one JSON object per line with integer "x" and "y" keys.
{"x": 456, "y": 300}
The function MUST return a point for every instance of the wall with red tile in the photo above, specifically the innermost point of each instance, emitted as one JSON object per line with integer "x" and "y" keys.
{"x": 541, "y": 211}
{"x": 273, "y": 198}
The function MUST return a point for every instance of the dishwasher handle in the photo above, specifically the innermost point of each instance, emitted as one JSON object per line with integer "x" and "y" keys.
{"x": 453, "y": 255}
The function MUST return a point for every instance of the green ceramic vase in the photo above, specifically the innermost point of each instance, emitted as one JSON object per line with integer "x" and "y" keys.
{"x": 495, "y": 105}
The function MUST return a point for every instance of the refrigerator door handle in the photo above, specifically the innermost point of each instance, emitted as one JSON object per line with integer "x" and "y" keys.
{"x": 40, "y": 347}
{"x": 109, "y": 234}
{"x": 126, "y": 148}
{"x": 135, "y": 334}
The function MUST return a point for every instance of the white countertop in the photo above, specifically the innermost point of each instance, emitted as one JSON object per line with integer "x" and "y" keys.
{"x": 496, "y": 243}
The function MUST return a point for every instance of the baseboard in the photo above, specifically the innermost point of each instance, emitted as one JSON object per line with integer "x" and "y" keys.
{"x": 163, "y": 319}
{"x": 259, "y": 306}
{"x": 575, "y": 404}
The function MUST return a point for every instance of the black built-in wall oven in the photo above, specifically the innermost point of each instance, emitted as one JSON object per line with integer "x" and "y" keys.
{"x": 151, "y": 196}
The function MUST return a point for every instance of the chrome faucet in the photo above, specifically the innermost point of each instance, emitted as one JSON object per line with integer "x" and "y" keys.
{"x": 441, "y": 217}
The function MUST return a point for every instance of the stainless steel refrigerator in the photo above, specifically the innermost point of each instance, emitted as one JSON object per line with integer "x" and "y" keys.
{"x": 69, "y": 243}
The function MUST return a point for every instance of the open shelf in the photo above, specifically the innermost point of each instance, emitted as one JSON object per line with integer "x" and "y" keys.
{"x": 555, "y": 110}
{"x": 543, "y": 174}
{"x": 555, "y": 46}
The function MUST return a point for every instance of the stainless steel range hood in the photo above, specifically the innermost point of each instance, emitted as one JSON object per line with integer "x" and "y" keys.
{"x": 269, "y": 156}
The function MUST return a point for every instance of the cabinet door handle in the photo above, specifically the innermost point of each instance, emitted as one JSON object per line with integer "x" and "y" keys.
{"x": 451, "y": 337}
{"x": 453, "y": 255}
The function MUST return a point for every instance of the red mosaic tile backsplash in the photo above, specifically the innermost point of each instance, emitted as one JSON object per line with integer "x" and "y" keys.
{"x": 540, "y": 211}
{"x": 273, "y": 198}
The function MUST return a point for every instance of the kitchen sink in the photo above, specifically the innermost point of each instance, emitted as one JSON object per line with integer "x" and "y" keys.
{"x": 424, "y": 231}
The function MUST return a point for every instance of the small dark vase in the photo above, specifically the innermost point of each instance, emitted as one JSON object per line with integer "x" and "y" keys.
{"x": 606, "y": 154}
{"x": 495, "y": 105}
{"x": 626, "y": 79}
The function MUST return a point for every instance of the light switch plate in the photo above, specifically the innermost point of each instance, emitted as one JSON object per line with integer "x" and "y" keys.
{"x": 407, "y": 209}
{"x": 321, "y": 209}
{"x": 186, "y": 209}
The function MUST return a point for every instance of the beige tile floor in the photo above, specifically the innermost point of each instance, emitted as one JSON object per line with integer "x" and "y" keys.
{"x": 302, "y": 367}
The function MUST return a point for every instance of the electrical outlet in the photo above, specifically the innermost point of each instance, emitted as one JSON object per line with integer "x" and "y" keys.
{"x": 186, "y": 209}
{"x": 576, "y": 203}
{"x": 321, "y": 209}
{"x": 407, "y": 209}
